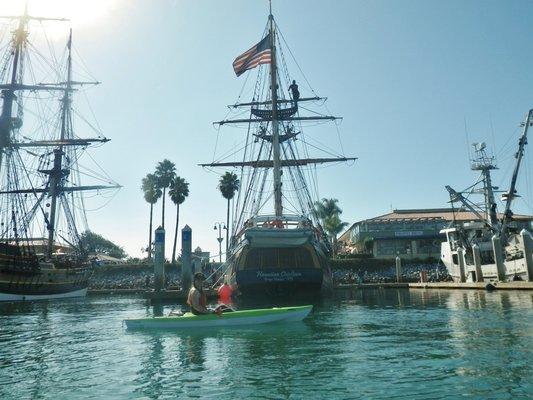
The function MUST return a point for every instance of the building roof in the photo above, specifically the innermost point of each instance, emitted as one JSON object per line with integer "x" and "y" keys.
{"x": 427, "y": 214}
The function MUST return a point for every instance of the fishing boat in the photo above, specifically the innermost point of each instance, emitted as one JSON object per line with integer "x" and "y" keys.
{"x": 235, "y": 318}
{"x": 492, "y": 246}
{"x": 278, "y": 246}
{"x": 41, "y": 193}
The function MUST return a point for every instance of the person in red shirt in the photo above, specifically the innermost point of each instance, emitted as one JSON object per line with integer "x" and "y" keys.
{"x": 224, "y": 293}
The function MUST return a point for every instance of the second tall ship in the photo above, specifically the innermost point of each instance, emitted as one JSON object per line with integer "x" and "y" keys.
{"x": 277, "y": 246}
{"x": 42, "y": 207}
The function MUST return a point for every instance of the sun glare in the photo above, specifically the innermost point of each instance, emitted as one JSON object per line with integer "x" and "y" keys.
{"x": 81, "y": 13}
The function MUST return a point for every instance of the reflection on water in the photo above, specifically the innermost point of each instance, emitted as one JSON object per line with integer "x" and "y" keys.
{"x": 378, "y": 343}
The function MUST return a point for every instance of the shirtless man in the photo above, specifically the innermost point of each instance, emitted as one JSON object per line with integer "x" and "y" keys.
{"x": 197, "y": 298}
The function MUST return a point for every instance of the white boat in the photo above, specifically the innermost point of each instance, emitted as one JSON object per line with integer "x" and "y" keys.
{"x": 492, "y": 246}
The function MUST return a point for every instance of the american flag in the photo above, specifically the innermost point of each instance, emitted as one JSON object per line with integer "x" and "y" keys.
{"x": 261, "y": 53}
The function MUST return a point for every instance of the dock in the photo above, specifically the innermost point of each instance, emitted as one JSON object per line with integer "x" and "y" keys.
{"x": 175, "y": 294}
{"x": 517, "y": 285}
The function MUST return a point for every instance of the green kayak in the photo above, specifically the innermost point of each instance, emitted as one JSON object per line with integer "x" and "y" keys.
{"x": 235, "y": 318}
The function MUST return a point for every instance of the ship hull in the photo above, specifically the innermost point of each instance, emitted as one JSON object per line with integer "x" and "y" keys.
{"x": 47, "y": 283}
{"x": 281, "y": 282}
{"x": 515, "y": 269}
{"x": 25, "y": 296}
{"x": 280, "y": 263}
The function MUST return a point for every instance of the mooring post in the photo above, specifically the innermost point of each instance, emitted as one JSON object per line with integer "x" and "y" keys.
{"x": 528, "y": 253}
{"x": 398, "y": 269}
{"x": 186, "y": 267}
{"x": 477, "y": 263}
{"x": 461, "y": 261}
{"x": 159, "y": 259}
{"x": 498, "y": 257}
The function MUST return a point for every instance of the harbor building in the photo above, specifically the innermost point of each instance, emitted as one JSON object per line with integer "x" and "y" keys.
{"x": 411, "y": 233}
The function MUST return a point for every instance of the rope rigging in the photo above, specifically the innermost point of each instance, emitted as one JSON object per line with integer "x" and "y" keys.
{"x": 31, "y": 179}
{"x": 256, "y": 170}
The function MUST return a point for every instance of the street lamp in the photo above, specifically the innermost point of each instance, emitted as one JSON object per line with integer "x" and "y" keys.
{"x": 220, "y": 226}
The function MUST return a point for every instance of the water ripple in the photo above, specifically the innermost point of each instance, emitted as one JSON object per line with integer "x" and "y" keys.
{"x": 378, "y": 344}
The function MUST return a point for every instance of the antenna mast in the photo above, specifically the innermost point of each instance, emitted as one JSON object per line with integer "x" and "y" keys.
{"x": 482, "y": 162}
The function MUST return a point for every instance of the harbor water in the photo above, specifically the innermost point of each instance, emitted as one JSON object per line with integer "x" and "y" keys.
{"x": 412, "y": 344}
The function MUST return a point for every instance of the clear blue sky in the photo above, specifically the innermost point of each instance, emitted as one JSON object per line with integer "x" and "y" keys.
{"x": 405, "y": 75}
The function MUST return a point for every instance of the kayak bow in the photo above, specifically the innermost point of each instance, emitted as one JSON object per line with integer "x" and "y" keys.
{"x": 244, "y": 317}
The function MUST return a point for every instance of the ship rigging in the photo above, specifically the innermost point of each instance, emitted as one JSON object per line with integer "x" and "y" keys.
{"x": 277, "y": 242}
{"x": 41, "y": 191}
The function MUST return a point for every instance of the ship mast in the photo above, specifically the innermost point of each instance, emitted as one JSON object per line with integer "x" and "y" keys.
{"x": 272, "y": 121}
{"x": 8, "y": 90}
{"x": 8, "y": 94}
{"x": 57, "y": 173}
{"x": 511, "y": 194}
{"x": 278, "y": 206}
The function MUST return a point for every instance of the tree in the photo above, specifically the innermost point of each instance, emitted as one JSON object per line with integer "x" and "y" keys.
{"x": 328, "y": 211}
{"x": 178, "y": 191}
{"x": 152, "y": 193}
{"x": 228, "y": 185}
{"x": 91, "y": 242}
{"x": 333, "y": 226}
{"x": 165, "y": 171}
{"x": 327, "y": 208}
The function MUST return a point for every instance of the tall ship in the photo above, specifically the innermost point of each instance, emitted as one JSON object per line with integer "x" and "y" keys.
{"x": 42, "y": 205}
{"x": 277, "y": 246}
{"x": 493, "y": 246}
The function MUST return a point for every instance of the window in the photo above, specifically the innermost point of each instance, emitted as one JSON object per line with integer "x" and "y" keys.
{"x": 393, "y": 247}
{"x": 428, "y": 246}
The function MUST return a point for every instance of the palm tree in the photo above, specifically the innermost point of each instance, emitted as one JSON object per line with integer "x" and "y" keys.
{"x": 333, "y": 226}
{"x": 327, "y": 208}
{"x": 328, "y": 211}
{"x": 228, "y": 185}
{"x": 178, "y": 191}
{"x": 165, "y": 171}
{"x": 151, "y": 194}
